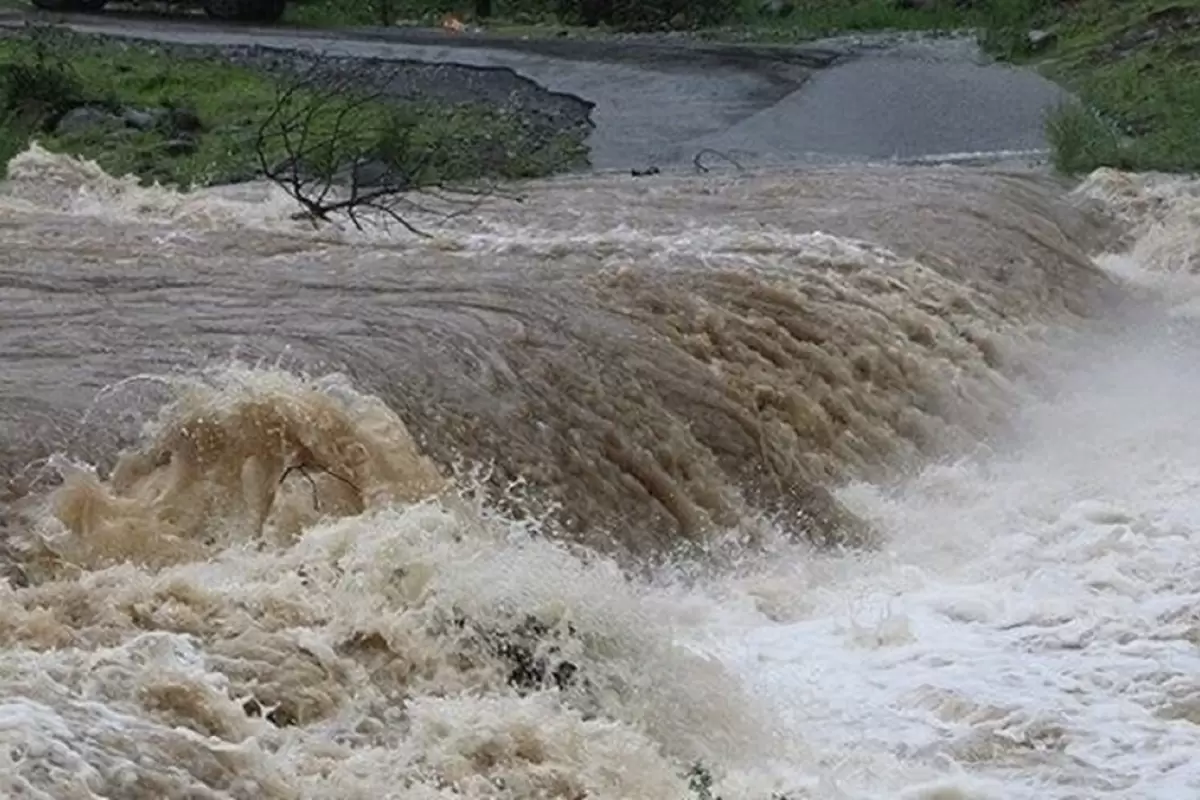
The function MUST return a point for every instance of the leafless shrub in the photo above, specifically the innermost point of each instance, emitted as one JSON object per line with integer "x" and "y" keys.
{"x": 338, "y": 148}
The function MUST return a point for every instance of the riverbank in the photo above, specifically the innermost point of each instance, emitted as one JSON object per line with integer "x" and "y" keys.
{"x": 194, "y": 116}
{"x": 1132, "y": 65}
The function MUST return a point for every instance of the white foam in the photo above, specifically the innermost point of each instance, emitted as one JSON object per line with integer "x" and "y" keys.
{"x": 1031, "y": 629}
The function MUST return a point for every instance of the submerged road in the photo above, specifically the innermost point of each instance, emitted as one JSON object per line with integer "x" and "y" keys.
{"x": 659, "y": 103}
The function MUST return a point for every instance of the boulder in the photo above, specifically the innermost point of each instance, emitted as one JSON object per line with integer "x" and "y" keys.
{"x": 371, "y": 173}
{"x": 776, "y": 8}
{"x": 1040, "y": 40}
{"x": 140, "y": 118}
{"x": 86, "y": 118}
{"x": 175, "y": 124}
{"x": 180, "y": 146}
{"x": 184, "y": 120}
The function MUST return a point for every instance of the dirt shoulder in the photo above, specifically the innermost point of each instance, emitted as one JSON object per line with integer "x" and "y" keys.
{"x": 653, "y": 49}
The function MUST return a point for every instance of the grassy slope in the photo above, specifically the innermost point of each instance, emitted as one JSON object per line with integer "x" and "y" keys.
{"x": 231, "y": 102}
{"x": 1136, "y": 64}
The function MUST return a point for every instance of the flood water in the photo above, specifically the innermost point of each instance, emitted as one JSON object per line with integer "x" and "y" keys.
{"x": 861, "y": 482}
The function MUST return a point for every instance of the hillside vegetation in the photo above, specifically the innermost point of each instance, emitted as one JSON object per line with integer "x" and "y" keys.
{"x": 769, "y": 20}
{"x": 1135, "y": 66}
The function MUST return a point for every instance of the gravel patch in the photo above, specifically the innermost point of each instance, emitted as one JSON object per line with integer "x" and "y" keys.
{"x": 498, "y": 88}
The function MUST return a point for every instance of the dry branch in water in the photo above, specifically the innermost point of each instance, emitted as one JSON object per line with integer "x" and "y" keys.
{"x": 337, "y": 146}
{"x": 303, "y": 470}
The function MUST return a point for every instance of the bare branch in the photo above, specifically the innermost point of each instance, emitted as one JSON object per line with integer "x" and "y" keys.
{"x": 303, "y": 468}
{"x": 341, "y": 148}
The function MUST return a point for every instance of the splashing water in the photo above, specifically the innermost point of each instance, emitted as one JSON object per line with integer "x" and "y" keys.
{"x": 391, "y": 560}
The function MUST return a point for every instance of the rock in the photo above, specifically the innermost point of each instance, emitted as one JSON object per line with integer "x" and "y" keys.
{"x": 593, "y": 12}
{"x": 12, "y": 571}
{"x": 179, "y": 126}
{"x": 184, "y": 120}
{"x": 532, "y": 650}
{"x": 776, "y": 8}
{"x": 11, "y": 568}
{"x": 86, "y": 118}
{"x": 366, "y": 173}
{"x": 119, "y": 136}
{"x": 1039, "y": 40}
{"x": 287, "y": 166}
{"x": 141, "y": 119}
{"x": 173, "y": 122}
{"x": 371, "y": 173}
{"x": 182, "y": 146}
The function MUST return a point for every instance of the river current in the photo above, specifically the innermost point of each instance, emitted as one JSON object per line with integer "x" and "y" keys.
{"x": 850, "y": 482}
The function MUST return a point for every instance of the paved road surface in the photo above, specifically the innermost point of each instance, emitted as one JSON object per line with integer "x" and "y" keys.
{"x": 659, "y": 104}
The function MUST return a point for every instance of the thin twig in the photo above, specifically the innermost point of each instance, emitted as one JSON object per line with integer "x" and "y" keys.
{"x": 317, "y": 124}
{"x": 302, "y": 469}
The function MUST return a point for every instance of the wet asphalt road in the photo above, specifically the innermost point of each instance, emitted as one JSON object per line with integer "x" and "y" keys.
{"x": 660, "y": 104}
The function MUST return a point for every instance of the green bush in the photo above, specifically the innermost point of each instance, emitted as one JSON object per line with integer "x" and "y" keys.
{"x": 38, "y": 90}
{"x": 35, "y": 91}
{"x": 632, "y": 15}
{"x": 12, "y": 141}
{"x": 1004, "y": 26}
{"x": 1081, "y": 141}
{"x": 337, "y": 13}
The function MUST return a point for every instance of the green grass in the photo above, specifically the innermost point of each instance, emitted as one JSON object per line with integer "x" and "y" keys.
{"x": 538, "y": 15}
{"x": 819, "y": 18}
{"x": 808, "y": 19}
{"x": 1136, "y": 68}
{"x": 1081, "y": 140}
{"x": 11, "y": 143}
{"x": 40, "y": 79}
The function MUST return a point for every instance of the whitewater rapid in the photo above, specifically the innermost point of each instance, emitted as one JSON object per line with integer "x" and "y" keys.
{"x": 287, "y": 586}
{"x": 1031, "y": 630}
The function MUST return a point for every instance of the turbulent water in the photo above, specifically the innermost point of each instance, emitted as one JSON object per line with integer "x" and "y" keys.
{"x": 844, "y": 483}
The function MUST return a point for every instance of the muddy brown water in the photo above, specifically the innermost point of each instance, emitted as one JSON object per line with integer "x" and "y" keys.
{"x": 297, "y": 510}
{"x": 656, "y": 360}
